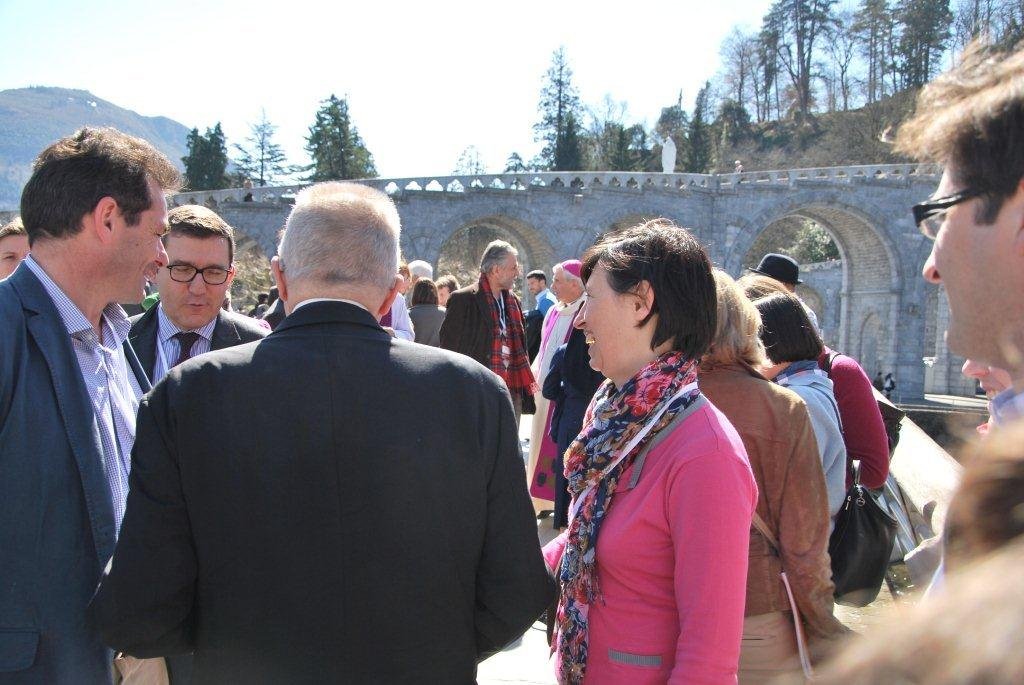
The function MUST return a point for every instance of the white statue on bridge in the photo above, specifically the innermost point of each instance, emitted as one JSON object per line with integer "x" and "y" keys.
{"x": 668, "y": 155}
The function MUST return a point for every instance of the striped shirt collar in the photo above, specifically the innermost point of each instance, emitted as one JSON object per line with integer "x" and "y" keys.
{"x": 74, "y": 320}
{"x": 168, "y": 329}
{"x": 1007, "y": 406}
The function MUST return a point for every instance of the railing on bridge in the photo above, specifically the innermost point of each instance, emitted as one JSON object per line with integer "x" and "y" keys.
{"x": 578, "y": 181}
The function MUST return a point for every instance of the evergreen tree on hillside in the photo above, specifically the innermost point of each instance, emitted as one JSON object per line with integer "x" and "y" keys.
{"x": 335, "y": 146}
{"x": 698, "y": 156}
{"x": 261, "y": 160}
{"x": 800, "y": 26}
{"x": 925, "y": 31}
{"x": 207, "y": 160}
{"x": 559, "y": 125}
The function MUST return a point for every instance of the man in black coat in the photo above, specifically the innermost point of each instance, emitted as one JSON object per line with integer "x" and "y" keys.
{"x": 344, "y": 537}
{"x": 188, "y": 320}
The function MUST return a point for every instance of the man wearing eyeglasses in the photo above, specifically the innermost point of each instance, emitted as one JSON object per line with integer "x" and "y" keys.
{"x": 189, "y": 320}
{"x": 971, "y": 120}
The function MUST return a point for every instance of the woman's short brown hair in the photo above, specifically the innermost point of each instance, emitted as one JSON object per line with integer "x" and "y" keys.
{"x": 678, "y": 270}
{"x": 786, "y": 331}
{"x": 424, "y": 292}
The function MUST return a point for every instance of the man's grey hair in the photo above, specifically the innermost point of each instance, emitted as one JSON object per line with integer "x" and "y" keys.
{"x": 568, "y": 274}
{"x": 496, "y": 253}
{"x": 421, "y": 269}
{"x": 342, "y": 234}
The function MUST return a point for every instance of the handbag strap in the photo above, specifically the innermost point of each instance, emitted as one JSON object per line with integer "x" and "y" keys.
{"x": 764, "y": 530}
{"x": 798, "y": 628}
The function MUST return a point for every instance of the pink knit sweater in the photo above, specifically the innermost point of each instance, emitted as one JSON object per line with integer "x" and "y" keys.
{"x": 672, "y": 561}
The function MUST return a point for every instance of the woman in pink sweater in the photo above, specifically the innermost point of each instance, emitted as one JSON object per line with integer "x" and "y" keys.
{"x": 653, "y": 565}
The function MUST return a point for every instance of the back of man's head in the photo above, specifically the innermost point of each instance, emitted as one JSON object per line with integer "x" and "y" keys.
{"x": 971, "y": 119}
{"x": 197, "y": 221}
{"x": 73, "y": 174}
{"x": 421, "y": 269}
{"x": 341, "y": 235}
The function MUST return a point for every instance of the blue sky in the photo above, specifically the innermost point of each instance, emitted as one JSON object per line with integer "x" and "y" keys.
{"x": 424, "y": 80}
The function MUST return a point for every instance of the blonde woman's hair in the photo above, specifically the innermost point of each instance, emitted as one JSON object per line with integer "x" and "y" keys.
{"x": 756, "y": 286}
{"x": 736, "y": 335}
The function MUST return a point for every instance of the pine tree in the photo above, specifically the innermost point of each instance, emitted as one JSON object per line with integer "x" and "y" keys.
{"x": 800, "y": 25}
{"x": 514, "y": 164}
{"x": 261, "y": 160}
{"x": 569, "y": 150}
{"x": 335, "y": 146}
{"x": 559, "y": 125}
{"x": 924, "y": 33}
{"x": 207, "y": 160}
{"x": 469, "y": 163}
{"x": 698, "y": 156}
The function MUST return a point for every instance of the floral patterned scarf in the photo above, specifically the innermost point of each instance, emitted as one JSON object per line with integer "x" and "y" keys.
{"x": 614, "y": 418}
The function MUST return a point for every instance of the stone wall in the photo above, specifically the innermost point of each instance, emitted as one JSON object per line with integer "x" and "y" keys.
{"x": 874, "y": 303}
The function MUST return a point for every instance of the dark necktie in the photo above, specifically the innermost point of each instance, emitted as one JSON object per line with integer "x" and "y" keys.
{"x": 186, "y": 341}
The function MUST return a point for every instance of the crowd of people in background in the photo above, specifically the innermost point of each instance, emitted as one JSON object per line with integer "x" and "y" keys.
{"x": 693, "y": 440}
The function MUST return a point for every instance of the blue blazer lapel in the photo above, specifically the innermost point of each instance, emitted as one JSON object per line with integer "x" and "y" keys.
{"x": 47, "y": 329}
{"x": 143, "y": 340}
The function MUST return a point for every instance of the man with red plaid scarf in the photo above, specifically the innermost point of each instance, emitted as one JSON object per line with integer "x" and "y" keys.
{"x": 485, "y": 322}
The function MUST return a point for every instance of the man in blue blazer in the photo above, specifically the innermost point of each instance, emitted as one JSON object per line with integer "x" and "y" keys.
{"x": 94, "y": 211}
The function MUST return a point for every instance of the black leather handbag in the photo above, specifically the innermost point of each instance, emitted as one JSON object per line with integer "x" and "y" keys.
{"x": 860, "y": 546}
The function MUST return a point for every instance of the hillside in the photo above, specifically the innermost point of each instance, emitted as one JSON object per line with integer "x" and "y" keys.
{"x": 31, "y": 118}
{"x": 826, "y": 139}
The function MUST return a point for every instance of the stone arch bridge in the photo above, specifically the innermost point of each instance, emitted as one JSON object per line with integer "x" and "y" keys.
{"x": 872, "y": 303}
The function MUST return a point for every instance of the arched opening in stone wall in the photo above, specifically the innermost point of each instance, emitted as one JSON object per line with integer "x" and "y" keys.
{"x": 461, "y": 251}
{"x": 821, "y": 264}
{"x": 856, "y": 293}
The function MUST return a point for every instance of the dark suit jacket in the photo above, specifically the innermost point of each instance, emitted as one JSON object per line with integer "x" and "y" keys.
{"x": 467, "y": 327}
{"x": 56, "y": 512}
{"x": 275, "y": 315}
{"x": 345, "y": 537}
{"x": 231, "y": 329}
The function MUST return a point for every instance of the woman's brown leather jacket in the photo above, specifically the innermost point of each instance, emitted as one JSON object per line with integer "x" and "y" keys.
{"x": 776, "y": 431}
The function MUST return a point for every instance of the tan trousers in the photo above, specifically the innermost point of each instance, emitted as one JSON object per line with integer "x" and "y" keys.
{"x": 131, "y": 671}
{"x": 768, "y": 649}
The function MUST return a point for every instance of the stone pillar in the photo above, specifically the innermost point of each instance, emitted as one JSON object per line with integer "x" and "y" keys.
{"x": 945, "y": 375}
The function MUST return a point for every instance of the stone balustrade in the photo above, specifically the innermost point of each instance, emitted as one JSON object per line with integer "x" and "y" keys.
{"x": 578, "y": 181}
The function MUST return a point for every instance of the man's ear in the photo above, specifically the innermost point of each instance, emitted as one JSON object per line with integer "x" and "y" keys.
{"x": 279, "y": 278}
{"x": 100, "y": 221}
{"x": 385, "y": 307}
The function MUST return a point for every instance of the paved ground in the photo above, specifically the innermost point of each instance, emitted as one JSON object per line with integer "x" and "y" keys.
{"x": 529, "y": 662}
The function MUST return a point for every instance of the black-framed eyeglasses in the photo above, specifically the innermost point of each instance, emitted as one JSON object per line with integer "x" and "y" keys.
{"x": 184, "y": 273}
{"x": 930, "y": 214}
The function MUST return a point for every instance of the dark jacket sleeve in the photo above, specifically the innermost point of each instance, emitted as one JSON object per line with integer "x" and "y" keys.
{"x": 512, "y": 583}
{"x": 863, "y": 428}
{"x": 144, "y": 604}
{"x": 455, "y": 321}
{"x": 552, "y": 389}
